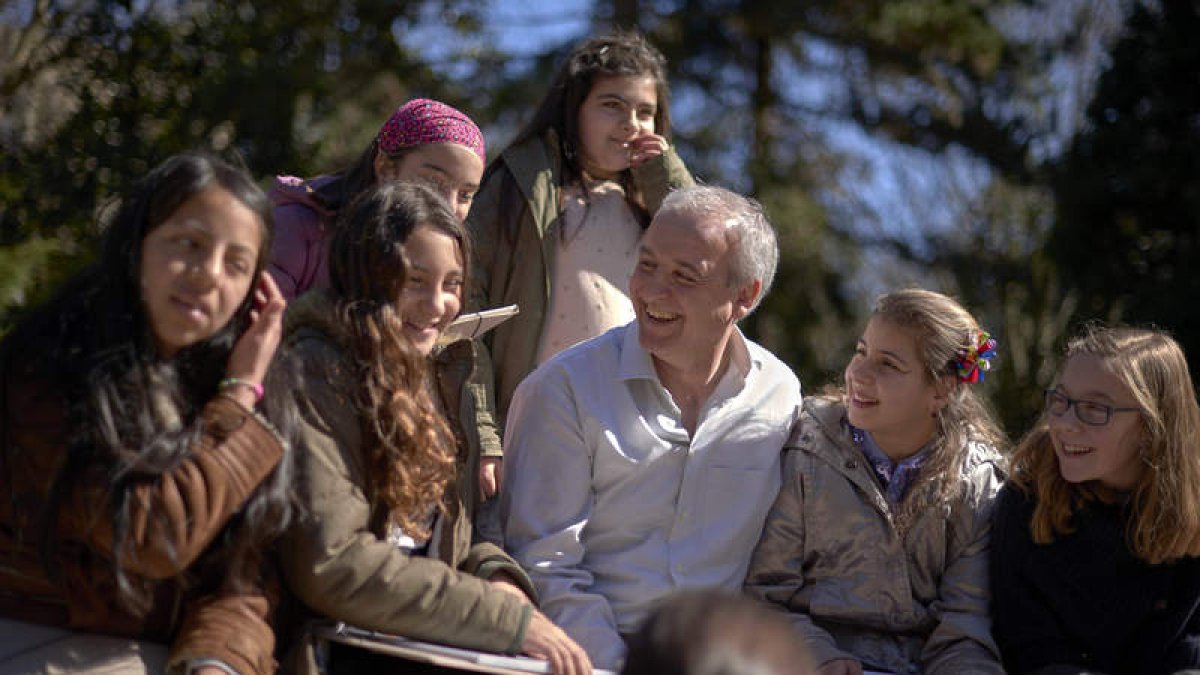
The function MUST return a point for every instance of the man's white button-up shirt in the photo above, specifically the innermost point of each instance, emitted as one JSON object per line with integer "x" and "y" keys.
{"x": 610, "y": 505}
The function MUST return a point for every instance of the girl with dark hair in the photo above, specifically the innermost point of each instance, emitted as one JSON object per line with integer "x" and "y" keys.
{"x": 558, "y": 218}
{"x": 141, "y": 486}
{"x": 388, "y": 486}
{"x": 1096, "y": 550}
{"x": 877, "y": 542}
{"x": 424, "y": 140}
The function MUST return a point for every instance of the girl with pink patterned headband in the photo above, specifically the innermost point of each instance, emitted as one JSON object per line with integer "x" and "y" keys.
{"x": 424, "y": 141}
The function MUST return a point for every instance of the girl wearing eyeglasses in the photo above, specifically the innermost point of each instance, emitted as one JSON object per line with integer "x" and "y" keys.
{"x": 1096, "y": 537}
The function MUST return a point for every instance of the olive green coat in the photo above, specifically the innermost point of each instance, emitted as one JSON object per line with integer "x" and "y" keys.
{"x": 337, "y": 560}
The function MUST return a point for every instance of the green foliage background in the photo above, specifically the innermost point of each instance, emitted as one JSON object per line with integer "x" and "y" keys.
{"x": 1044, "y": 152}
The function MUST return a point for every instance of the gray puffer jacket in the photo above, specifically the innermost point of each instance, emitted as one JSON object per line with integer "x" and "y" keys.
{"x": 907, "y": 600}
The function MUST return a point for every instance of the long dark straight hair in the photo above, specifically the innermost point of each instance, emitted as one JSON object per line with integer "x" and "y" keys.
{"x": 621, "y": 54}
{"x": 344, "y": 185}
{"x": 94, "y": 343}
{"x": 355, "y": 179}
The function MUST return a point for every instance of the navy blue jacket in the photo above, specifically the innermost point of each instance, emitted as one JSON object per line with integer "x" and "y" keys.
{"x": 1084, "y": 602}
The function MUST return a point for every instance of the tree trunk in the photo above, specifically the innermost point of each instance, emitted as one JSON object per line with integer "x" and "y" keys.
{"x": 763, "y": 100}
{"x": 625, "y": 14}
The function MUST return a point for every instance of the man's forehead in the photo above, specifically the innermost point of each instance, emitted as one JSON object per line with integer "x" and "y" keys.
{"x": 695, "y": 224}
{"x": 677, "y": 231}
{"x": 694, "y": 244}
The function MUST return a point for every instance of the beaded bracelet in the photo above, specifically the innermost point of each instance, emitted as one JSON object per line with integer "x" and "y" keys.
{"x": 234, "y": 382}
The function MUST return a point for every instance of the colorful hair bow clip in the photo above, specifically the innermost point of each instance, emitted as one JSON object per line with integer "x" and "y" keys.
{"x": 972, "y": 362}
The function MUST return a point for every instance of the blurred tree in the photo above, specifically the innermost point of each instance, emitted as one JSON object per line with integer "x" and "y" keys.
{"x": 33, "y": 102}
{"x": 737, "y": 127}
{"x": 767, "y": 96}
{"x": 996, "y": 97}
{"x": 782, "y": 101}
{"x": 995, "y": 263}
{"x": 98, "y": 91}
{"x": 1128, "y": 192}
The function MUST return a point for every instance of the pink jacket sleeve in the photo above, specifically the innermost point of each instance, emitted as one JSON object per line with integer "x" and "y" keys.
{"x": 300, "y": 244}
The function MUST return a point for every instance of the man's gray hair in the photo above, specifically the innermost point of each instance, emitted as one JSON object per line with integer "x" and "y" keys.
{"x": 755, "y": 248}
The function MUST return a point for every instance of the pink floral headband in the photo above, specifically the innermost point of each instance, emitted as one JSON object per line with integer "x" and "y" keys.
{"x": 972, "y": 362}
{"x": 422, "y": 121}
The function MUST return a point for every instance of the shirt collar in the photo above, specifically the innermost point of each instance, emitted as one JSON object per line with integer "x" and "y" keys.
{"x": 896, "y": 477}
{"x": 636, "y": 363}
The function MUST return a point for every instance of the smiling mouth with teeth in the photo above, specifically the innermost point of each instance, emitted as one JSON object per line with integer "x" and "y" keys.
{"x": 661, "y": 316}
{"x": 1075, "y": 450}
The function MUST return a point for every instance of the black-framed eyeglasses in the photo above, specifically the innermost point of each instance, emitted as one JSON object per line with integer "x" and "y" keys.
{"x": 1088, "y": 412}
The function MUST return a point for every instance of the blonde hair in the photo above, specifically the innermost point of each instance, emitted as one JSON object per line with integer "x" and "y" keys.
{"x": 1165, "y": 521}
{"x": 943, "y": 330}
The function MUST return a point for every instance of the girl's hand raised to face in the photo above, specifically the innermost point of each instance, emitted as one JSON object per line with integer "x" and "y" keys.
{"x": 646, "y": 147}
{"x": 256, "y": 347}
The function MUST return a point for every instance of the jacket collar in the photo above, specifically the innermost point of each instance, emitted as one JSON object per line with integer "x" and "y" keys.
{"x": 828, "y": 416}
{"x": 315, "y": 311}
{"x": 537, "y": 172}
{"x": 635, "y": 363}
{"x": 533, "y": 161}
{"x": 293, "y": 190}
{"x": 824, "y": 431}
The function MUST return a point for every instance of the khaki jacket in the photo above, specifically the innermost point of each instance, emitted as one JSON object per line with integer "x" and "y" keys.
{"x": 523, "y": 188}
{"x": 172, "y": 522}
{"x": 857, "y": 587}
{"x": 337, "y": 559}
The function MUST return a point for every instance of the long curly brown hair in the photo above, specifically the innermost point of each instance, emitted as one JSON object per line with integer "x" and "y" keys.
{"x": 1165, "y": 521}
{"x": 410, "y": 449}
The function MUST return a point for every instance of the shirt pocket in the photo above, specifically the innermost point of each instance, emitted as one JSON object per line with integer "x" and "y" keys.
{"x": 618, "y": 460}
{"x": 736, "y": 501}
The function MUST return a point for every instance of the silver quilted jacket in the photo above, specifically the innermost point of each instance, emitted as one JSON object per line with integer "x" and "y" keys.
{"x": 911, "y": 600}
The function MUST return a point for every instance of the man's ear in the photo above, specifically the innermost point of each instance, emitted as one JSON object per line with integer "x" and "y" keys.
{"x": 746, "y": 296}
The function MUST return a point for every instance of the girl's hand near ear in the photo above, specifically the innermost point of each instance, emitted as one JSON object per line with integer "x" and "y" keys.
{"x": 646, "y": 147}
{"x": 255, "y": 348}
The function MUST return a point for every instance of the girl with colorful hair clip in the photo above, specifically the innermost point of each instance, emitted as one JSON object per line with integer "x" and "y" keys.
{"x": 386, "y": 457}
{"x": 1096, "y": 544}
{"x": 142, "y": 484}
{"x": 424, "y": 140}
{"x": 877, "y": 542}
